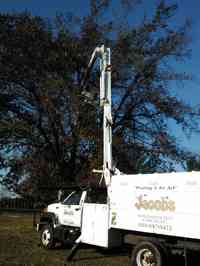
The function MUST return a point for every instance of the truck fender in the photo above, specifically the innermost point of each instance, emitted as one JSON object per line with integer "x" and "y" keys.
{"x": 47, "y": 218}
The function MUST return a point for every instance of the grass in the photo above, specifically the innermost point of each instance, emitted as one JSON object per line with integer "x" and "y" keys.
{"x": 19, "y": 245}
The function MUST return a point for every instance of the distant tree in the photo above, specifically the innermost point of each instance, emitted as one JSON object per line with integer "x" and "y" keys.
{"x": 50, "y": 124}
{"x": 193, "y": 163}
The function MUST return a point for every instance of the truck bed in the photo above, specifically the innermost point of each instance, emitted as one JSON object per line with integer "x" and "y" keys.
{"x": 161, "y": 203}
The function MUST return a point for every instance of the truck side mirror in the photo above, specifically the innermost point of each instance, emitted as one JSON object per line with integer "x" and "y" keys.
{"x": 60, "y": 195}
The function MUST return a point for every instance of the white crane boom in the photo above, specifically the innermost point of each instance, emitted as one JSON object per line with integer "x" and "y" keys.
{"x": 105, "y": 102}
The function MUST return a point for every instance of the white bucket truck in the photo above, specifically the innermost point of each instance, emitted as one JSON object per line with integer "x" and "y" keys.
{"x": 156, "y": 213}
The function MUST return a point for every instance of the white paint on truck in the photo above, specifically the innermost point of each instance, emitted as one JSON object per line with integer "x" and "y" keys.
{"x": 165, "y": 203}
{"x": 95, "y": 224}
{"x": 69, "y": 211}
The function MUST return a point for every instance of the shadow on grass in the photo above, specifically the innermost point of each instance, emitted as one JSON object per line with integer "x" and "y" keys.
{"x": 103, "y": 253}
{"x": 192, "y": 259}
{"x": 125, "y": 250}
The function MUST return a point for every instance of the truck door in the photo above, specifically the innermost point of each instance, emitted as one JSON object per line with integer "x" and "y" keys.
{"x": 72, "y": 208}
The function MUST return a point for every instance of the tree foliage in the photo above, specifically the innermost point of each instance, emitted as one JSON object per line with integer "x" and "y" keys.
{"x": 193, "y": 163}
{"x": 50, "y": 124}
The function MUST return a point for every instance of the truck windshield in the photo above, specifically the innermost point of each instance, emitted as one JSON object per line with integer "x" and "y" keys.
{"x": 74, "y": 199}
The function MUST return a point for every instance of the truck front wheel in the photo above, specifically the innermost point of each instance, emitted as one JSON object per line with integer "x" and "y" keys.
{"x": 148, "y": 254}
{"x": 46, "y": 237}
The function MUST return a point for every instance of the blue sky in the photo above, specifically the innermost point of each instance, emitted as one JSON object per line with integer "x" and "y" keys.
{"x": 190, "y": 92}
{"x": 45, "y": 8}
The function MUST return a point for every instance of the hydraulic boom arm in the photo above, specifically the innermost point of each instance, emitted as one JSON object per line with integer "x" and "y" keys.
{"x": 105, "y": 102}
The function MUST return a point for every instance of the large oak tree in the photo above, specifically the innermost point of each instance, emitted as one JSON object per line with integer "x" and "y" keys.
{"x": 50, "y": 121}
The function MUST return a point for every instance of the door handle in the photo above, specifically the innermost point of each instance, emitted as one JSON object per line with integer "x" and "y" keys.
{"x": 77, "y": 209}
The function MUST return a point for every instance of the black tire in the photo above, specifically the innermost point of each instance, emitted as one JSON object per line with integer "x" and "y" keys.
{"x": 46, "y": 237}
{"x": 148, "y": 254}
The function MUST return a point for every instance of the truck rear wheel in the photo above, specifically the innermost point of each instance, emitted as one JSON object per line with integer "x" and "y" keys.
{"x": 46, "y": 237}
{"x": 148, "y": 254}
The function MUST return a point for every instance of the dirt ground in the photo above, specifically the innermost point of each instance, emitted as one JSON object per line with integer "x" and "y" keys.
{"x": 19, "y": 245}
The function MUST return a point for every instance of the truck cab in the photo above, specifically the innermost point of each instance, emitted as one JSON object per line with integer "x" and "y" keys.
{"x": 68, "y": 211}
{"x": 61, "y": 221}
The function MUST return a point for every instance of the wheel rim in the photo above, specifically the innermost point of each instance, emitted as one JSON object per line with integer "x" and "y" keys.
{"x": 145, "y": 257}
{"x": 46, "y": 237}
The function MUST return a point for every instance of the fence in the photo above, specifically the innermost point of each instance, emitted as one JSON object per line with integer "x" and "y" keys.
{"x": 17, "y": 203}
{"x": 20, "y": 205}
